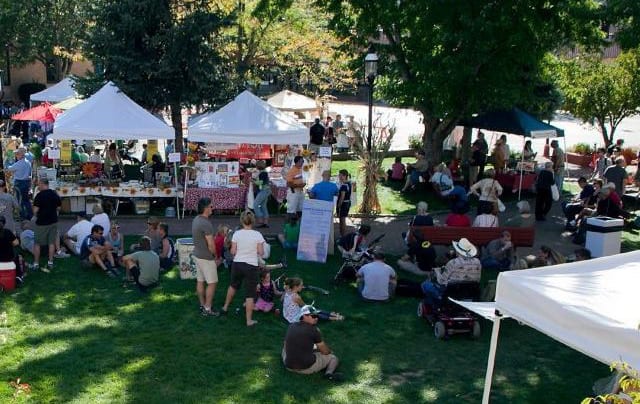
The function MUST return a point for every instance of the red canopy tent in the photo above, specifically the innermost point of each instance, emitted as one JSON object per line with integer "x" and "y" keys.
{"x": 43, "y": 112}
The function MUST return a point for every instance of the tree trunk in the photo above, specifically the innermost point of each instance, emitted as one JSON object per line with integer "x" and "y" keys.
{"x": 605, "y": 135}
{"x": 176, "y": 121}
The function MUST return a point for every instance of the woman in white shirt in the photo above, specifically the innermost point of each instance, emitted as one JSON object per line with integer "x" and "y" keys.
{"x": 247, "y": 245}
{"x": 488, "y": 218}
{"x": 490, "y": 190}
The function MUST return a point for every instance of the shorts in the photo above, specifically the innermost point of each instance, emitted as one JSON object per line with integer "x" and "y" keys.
{"x": 247, "y": 274}
{"x": 47, "y": 234}
{"x": 322, "y": 361}
{"x": 263, "y": 305}
{"x": 294, "y": 200}
{"x": 206, "y": 270}
{"x": 343, "y": 210}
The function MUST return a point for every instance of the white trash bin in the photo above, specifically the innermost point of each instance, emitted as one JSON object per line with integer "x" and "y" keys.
{"x": 603, "y": 236}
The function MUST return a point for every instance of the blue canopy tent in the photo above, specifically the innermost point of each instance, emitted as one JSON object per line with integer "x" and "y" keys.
{"x": 516, "y": 122}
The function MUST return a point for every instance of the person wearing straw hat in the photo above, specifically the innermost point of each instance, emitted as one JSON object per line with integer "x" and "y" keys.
{"x": 465, "y": 267}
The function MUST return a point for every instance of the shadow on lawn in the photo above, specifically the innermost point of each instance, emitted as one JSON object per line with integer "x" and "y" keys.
{"x": 85, "y": 342}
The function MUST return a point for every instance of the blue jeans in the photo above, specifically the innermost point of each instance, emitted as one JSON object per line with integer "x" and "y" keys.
{"x": 432, "y": 293}
{"x": 23, "y": 187}
{"x": 491, "y": 262}
{"x": 260, "y": 203}
{"x": 559, "y": 177}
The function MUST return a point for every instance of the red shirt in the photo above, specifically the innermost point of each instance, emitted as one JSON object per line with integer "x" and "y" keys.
{"x": 458, "y": 220}
{"x": 218, "y": 240}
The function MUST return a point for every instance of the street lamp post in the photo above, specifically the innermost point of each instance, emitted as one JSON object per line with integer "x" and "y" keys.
{"x": 370, "y": 71}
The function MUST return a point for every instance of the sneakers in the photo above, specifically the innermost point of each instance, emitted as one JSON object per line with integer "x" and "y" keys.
{"x": 334, "y": 377}
{"x": 46, "y": 270}
{"x": 61, "y": 254}
{"x": 209, "y": 313}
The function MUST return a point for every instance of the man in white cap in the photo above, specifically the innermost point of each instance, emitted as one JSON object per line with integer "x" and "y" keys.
{"x": 298, "y": 353}
{"x": 465, "y": 267}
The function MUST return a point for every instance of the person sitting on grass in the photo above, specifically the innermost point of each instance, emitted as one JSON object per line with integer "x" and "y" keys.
{"x": 266, "y": 290}
{"x": 417, "y": 170}
{"x": 397, "y": 172}
{"x": 143, "y": 266}
{"x": 8, "y": 241}
{"x": 167, "y": 247}
{"x": 292, "y": 302}
{"x": 115, "y": 238}
{"x": 441, "y": 181}
{"x": 290, "y": 233}
{"x": 153, "y": 234}
{"x": 77, "y": 233}
{"x": 376, "y": 280}
{"x": 101, "y": 218}
{"x": 27, "y": 236}
{"x": 354, "y": 242}
{"x": 304, "y": 349}
{"x": 96, "y": 251}
{"x": 420, "y": 258}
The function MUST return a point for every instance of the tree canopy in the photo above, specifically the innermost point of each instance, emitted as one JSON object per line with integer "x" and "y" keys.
{"x": 625, "y": 14}
{"x": 600, "y": 92}
{"x": 450, "y": 60}
{"x": 49, "y": 31}
{"x": 162, "y": 53}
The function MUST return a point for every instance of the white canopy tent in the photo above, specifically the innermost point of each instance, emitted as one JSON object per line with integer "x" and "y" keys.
{"x": 590, "y": 306}
{"x": 287, "y": 100}
{"x": 110, "y": 114}
{"x": 248, "y": 119}
{"x": 56, "y": 93}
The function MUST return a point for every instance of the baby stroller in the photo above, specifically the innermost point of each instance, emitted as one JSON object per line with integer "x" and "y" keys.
{"x": 449, "y": 318}
{"x": 352, "y": 262}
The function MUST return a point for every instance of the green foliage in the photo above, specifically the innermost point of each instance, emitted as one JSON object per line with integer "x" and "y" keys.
{"x": 26, "y": 89}
{"x": 582, "y": 148}
{"x": 162, "y": 53}
{"x": 600, "y": 92}
{"x": 464, "y": 57}
{"x": 625, "y": 14}
{"x": 49, "y": 31}
{"x": 415, "y": 142}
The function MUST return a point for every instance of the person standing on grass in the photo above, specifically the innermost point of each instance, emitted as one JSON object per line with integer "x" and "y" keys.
{"x": 263, "y": 187}
{"x": 344, "y": 199}
{"x": 557, "y": 158}
{"x": 617, "y": 175}
{"x": 22, "y": 182}
{"x": 45, "y": 206}
{"x": 143, "y": 267}
{"x": 305, "y": 351}
{"x": 247, "y": 246}
{"x": 8, "y": 204}
{"x": 204, "y": 252}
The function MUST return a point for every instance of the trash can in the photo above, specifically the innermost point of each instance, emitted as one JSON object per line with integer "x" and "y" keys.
{"x": 603, "y": 236}
{"x": 187, "y": 266}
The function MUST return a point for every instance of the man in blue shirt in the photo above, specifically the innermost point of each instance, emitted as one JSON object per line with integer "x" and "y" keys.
{"x": 325, "y": 190}
{"x": 22, "y": 181}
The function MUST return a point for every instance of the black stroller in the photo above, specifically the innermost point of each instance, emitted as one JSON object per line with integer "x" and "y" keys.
{"x": 352, "y": 262}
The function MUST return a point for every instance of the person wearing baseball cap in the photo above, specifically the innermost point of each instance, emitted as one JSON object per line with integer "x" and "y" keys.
{"x": 298, "y": 353}
{"x": 465, "y": 267}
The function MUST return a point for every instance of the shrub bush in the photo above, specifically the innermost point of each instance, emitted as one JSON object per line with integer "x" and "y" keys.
{"x": 415, "y": 142}
{"x": 582, "y": 148}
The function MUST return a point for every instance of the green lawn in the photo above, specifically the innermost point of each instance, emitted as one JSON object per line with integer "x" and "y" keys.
{"x": 77, "y": 336}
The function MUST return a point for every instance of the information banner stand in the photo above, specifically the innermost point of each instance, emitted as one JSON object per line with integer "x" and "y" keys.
{"x": 315, "y": 227}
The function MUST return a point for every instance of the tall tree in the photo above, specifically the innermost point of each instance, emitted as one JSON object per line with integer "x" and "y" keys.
{"x": 49, "y": 31}
{"x": 625, "y": 14}
{"x": 601, "y": 92}
{"x": 162, "y": 53}
{"x": 288, "y": 41}
{"x": 451, "y": 59}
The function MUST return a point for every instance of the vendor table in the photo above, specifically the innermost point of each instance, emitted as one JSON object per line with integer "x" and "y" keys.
{"x": 513, "y": 181}
{"x": 221, "y": 198}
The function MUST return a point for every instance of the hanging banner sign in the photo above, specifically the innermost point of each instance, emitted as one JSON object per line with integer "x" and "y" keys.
{"x": 152, "y": 148}
{"x": 65, "y": 152}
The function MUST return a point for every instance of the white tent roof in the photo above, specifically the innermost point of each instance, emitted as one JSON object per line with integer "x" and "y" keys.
{"x": 248, "y": 119}
{"x": 591, "y": 306}
{"x": 110, "y": 114}
{"x": 287, "y": 100}
{"x": 56, "y": 93}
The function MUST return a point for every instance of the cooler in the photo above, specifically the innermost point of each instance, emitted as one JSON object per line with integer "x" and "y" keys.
{"x": 603, "y": 236}
{"x": 7, "y": 276}
{"x": 187, "y": 266}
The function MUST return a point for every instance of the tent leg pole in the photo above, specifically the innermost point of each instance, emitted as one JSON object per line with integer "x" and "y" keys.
{"x": 488, "y": 378}
{"x": 521, "y": 173}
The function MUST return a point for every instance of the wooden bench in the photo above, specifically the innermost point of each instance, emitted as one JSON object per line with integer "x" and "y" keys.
{"x": 479, "y": 236}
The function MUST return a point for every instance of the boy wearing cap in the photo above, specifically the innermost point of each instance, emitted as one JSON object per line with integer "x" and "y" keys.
{"x": 376, "y": 280}
{"x": 298, "y": 353}
{"x": 463, "y": 268}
